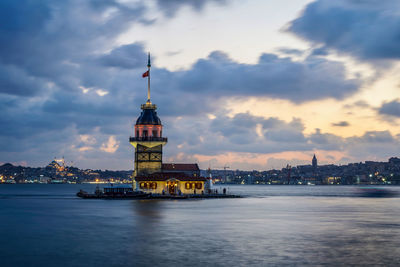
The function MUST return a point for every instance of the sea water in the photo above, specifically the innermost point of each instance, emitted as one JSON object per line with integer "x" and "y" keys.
{"x": 47, "y": 225}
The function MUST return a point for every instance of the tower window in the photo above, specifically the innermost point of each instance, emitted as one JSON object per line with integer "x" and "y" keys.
{"x": 145, "y": 134}
{"x": 154, "y": 133}
{"x": 137, "y": 133}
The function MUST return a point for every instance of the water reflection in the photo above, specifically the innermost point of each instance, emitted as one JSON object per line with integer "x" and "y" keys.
{"x": 149, "y": 209}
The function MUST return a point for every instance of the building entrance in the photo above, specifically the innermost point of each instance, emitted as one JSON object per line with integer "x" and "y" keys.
{"x": 172, "y": 187}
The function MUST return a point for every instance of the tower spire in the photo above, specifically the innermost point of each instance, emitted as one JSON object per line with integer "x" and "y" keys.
{"x": 148, "y": 80}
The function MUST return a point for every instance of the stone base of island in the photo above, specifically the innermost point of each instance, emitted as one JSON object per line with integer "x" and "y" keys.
{"x": 123, "y": 192}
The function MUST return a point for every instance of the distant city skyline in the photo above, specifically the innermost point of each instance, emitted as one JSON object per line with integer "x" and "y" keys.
{"x": 246, "y": 84}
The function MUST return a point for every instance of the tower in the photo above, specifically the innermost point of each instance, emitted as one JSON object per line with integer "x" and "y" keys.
{"x": 314, "y": 165}
{"x": 314, "y": 162}
{"x": 148, "y": 140}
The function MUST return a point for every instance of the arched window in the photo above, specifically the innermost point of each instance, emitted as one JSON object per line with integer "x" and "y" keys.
{"x": 199, "y": 185}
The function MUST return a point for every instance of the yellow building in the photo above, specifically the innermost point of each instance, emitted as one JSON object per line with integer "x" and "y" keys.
{"x": 171, "y": 184}
{"x": 149, "y": 174}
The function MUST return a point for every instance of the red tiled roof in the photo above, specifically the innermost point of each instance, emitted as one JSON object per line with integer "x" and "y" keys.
{"x": 180, "y": 167}
{"x": 159, "y": 176}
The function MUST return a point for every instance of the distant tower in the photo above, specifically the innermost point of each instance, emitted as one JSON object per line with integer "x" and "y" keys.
{"x": 148, "y": 140}
{"x": 314, "y": 164}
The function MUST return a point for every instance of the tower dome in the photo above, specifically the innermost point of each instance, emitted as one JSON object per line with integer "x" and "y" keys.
{"x": 148, "y": 116}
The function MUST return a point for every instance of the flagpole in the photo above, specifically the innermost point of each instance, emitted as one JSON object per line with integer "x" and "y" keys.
{"x": 148, "y": 80}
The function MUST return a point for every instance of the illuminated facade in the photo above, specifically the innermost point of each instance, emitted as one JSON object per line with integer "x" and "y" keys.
{"x": 150, "y": 174}
{"x": 171, "y": 184}
{"x": 148, "y": 141}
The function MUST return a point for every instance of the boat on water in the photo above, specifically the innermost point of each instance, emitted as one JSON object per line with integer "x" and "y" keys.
{"x": 114, "y": 192}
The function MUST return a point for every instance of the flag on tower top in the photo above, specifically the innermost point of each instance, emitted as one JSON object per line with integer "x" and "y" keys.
{"x": 146, "y": 74}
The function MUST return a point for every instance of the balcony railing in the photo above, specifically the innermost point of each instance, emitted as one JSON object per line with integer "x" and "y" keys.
{"x": 148, "y": 106}
{"x": 148, "y": 139}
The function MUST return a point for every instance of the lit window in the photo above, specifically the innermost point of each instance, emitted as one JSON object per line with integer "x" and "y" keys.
{"x": 199, "y": 185}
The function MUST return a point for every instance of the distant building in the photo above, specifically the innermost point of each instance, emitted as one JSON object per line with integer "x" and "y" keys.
{"x": 44, "y": 179}
{"x": 394, "y": 161}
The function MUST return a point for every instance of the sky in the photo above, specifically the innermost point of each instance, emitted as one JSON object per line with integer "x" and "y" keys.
{"x": 249, "y": 84}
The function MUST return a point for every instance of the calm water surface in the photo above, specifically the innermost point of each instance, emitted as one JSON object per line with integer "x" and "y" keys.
{"x": 46, "y": 225}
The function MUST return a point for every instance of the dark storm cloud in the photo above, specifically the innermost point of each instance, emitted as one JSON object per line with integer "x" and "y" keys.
{"x": 364, "y": 29}
{"x": 340, "y": 124}
{"x": 391, "y": 108}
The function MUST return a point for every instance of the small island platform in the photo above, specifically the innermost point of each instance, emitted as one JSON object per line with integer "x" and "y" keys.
{"x": 128, "y": 193}
{"x": 197, "y": 196}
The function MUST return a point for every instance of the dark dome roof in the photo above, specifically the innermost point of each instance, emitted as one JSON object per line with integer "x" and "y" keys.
{"x": 148, "y": 116}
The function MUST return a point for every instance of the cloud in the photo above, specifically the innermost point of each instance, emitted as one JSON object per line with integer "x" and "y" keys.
{"x": 15, "y": 81}
{"x": 173, "y": 53}
{"x": 54, "y": 40}
{"x": 311, "y": 79}
{"x": 126, "y": 56}
{"x": 101, "y": 92}
{"x": 341, "y": 124}
{"x": 367, "y": 30}
{"x": 391, "y": 108}
{"x": 237, "y": 135}
{"x": 325, "y": 141}
{"x": 358, "y": 104}
{"x": 320, "y": 51}
{"x": 110, "y": 146}
{"x": 87, "y": 139}
{"x": 373, "y": 145}
{"x": 72, "y": 92}
{"x": 170, "y": 7}
{"x": 291, "y": 51}
{"x": 85, "y": 148}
